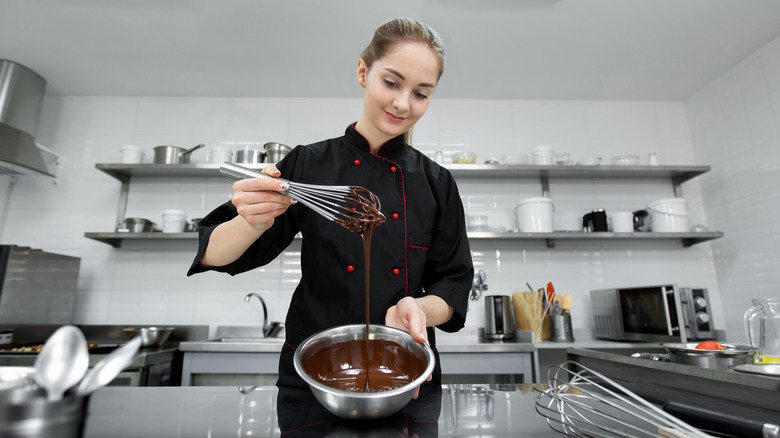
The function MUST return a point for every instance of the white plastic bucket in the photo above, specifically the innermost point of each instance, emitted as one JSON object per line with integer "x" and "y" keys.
{"x": 173, "y": 221}
{"x": 535, "y": 215}
{"x": 669, "y": 215}
{"x": 132, "y": 154}
{"x": 622, "y": 222}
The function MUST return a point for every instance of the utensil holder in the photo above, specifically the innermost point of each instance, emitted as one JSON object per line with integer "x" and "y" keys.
{"x": 37, "y": 417}
{"x": 560, "y": 328}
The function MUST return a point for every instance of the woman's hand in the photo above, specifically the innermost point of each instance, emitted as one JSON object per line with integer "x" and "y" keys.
{"x": 259, "y": 200}
{"x": 409, "y": 316}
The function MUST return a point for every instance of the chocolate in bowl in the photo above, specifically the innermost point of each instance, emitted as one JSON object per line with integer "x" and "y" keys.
{"x": 362, "y": 405}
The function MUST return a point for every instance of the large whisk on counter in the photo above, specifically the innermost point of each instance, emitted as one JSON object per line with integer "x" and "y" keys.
{"x": 353, "y": 208}
{"x": 584, "y": 403}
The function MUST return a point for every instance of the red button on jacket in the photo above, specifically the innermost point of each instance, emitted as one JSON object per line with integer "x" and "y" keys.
{"x": 395, "y": 215}
{"x": 396, "y": 271}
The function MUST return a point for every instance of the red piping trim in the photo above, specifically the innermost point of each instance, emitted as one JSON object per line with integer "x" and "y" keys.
{"x": 464, "y": 293}
{"x": 289, "y": 345}
{"x": 304, "y": 427}
{"x": 418, "y": 247}
{"x": 425, "y": 421}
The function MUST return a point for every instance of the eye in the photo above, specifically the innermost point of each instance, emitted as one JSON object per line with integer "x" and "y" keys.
{"x": 390, "y": 84}
{"x": 420, "y": 96}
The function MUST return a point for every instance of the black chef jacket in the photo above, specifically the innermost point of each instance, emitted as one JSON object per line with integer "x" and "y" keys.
{"x": 422, "y": 248}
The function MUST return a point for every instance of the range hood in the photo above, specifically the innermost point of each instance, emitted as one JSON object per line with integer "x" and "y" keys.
{"x": 21, "y": 98}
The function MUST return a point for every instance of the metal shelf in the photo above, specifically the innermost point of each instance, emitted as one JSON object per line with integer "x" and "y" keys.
{"x": 677, "y": 174}
{"x": 115, "y": 239}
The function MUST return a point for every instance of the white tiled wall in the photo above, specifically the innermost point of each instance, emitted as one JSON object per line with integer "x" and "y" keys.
{"x": 146, "y": 283}
{"x": 735, "y": 126}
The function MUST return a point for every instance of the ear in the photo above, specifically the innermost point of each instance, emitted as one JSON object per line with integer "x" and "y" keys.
{"x": 362, "y": 71}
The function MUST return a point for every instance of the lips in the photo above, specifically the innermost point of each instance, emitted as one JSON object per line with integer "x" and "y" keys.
{"x": 394, "y": 118}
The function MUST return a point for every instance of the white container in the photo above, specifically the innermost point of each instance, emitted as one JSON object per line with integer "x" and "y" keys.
{"x": 622, "y": 222}
{"x": 220, "y": 154}
{"x": 542, "y": 154}
{"x": 173, "y": 221}
{"x": 132, "y": 154}
{"x": 669, "y": 215}
{"x": 535, "y": 215}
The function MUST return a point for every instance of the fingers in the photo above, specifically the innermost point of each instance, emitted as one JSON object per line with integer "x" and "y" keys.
{"x": 271, "y": 170}
{"x": 408, "y": 315}
{"x": 260, "y": 200}
{"x": 416, "y": 393}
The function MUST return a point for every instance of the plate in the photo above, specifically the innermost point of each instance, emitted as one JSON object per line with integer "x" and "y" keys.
{"x": 763, "y": 369}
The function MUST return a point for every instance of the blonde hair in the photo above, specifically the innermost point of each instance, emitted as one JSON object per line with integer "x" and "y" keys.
{"x": 403, "y": 30}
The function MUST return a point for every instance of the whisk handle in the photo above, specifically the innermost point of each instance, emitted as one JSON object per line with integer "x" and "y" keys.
{"x": 240, "y": 172}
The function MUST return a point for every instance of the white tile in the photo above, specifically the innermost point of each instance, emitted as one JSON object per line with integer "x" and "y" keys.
{"x": 473, "y": 119}
{"x": 616, "y": 120}
{"x": 549, "y": 119}
{"x": 672, "y": 121}
{"x": 175, "y": 116}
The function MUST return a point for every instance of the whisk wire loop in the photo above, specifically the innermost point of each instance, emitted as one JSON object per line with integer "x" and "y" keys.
{"x": 334, "y": 203}
{"x": 581, "y": 402}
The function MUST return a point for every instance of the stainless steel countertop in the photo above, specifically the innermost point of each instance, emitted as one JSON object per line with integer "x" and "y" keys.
{"x": 452, "y": 411}
{"x": 245, "y": 340}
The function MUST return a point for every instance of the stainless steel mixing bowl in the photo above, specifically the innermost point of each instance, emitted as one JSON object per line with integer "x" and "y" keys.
{"x": 150, "y": 336}
{"x": 362, "y": 405}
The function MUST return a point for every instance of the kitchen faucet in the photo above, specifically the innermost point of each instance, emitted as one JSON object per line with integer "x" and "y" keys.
{"x": 269, "y": 329}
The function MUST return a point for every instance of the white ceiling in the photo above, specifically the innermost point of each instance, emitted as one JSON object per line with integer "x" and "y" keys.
{"x": 496, "y": 49}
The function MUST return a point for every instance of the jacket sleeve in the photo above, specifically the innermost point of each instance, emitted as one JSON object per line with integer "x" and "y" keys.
{"x": 266, "y": 248}
{"x": 449, "y": 270}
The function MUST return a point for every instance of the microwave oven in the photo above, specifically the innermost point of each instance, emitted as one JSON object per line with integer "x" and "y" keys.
{"x": 664, "y": 313}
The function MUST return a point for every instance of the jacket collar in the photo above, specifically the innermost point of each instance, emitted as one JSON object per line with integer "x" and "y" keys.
{"x": 356, "y": 139}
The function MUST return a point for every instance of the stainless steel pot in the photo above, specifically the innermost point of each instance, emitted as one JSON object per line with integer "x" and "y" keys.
{"x": 249, "y": 156}
{"x": 276, "y": 151}
{"x": 173, "y": 154}
{"x": 688, "y": 354}
{"x": 136, "y": 225}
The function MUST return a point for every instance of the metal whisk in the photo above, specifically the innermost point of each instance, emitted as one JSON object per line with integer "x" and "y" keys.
{"x": 584, "y": 403}
{"x": 340, "y": 204}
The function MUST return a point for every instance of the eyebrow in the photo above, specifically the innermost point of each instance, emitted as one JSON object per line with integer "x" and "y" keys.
{"x": 421, "y": 84}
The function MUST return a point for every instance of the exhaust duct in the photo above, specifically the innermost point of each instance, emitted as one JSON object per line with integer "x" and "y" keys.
{"x": 21, "y": 99}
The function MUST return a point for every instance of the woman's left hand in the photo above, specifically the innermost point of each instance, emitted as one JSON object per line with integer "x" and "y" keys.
{"x": 407, "y": 315}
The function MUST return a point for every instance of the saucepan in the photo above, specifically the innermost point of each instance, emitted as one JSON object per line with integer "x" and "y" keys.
{"x": 173, "y": 154}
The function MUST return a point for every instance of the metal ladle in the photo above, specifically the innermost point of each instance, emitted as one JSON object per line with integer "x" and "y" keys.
{"x": 109, "y": 367}
{"x": 62, "y": 362}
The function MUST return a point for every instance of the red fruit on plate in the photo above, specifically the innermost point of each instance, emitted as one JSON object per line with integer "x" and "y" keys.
{"x": 709, "y": 345}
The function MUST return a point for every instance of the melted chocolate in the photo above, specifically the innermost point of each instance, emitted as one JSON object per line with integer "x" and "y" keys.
{"x": 363, "y": 213}
{"x": 367, "y": 365}
{"x": 389, "y": 365}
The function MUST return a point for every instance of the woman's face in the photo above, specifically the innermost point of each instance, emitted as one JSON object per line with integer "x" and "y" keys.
{"x": 399, "y": 87}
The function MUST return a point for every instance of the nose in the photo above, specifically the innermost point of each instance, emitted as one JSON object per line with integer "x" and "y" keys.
{"x": 401, "y": 102}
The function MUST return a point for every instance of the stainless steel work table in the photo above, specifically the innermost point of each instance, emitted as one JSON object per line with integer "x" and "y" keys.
{"x": 446, "y": 411}
{"x": 466, "y": 357}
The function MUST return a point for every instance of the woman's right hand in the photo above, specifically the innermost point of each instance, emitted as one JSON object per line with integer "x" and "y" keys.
{"x": 259, "y": 200}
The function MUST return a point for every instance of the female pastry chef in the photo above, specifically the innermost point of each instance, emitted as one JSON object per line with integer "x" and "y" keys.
{"x": 420, "y": 270}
